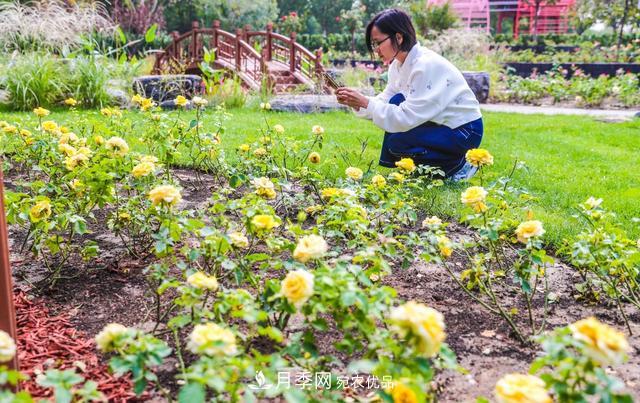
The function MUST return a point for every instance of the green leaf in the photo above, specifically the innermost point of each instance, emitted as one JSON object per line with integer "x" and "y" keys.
{"x": 192, "y": 393}
{"x": 150, "y": 35}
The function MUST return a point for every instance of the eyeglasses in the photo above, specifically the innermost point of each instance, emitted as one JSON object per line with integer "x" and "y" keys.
{"x": 376, "y": 45}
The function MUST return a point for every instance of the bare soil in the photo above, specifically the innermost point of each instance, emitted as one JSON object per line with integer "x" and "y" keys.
{"x": 113, "y": 288}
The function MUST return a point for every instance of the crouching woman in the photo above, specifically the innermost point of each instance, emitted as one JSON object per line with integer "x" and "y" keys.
{"x": 427, "y": 110}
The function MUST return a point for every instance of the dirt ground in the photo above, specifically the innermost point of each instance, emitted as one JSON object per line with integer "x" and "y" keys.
{"x": 113, "y": 289}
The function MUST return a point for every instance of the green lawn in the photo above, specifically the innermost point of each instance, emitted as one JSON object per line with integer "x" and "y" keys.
{"x": 569, "y": 157}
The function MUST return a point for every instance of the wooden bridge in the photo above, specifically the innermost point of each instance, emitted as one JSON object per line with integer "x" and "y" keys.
{"x": 280, "y": 61}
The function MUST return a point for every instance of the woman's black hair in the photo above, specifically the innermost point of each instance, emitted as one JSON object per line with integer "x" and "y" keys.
{"x": 391, "y": 22}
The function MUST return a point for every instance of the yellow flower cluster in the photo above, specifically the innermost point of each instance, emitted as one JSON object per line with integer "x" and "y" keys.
{"x": 401, "y": 393}
{"x": 445, "y": 246}
{"x": 317, "y": 130}
{"x": 108, "y": 335}
{"x": 328, "y": 193}
{"x": 479, "y": 157}
{"x": 165, "y": 194}
{"x": 180, "y": 101}
{"x": 604, "y": 344}
{"x": 264, "y": 187}
{"x": 529, "y": 229}
{"x": 40, "y": 211}
{"x": 406, "y": 164}
{"x": 278, "y": 129}
{"x": 310, "y": 247}
{"x": 264, "y": 222}
{"x": 202, "y": 281}
{"x": 212, "y": 340}
{"x": 50, "y": 126}
{"x": 41, "y": 112}
{"x": 7, "y": 347}
{"x": 72, "y": 162}
{"x": 424, "y": 323}
{"x": 519, "y": 388}
{"x": 378, "y": 181}
{"x": 143, "y": 169}
{"x": 70, "y": 102}
{"x": 239, "y": 240}
{"x": 397, "y": 176}
{"x": 432, "y": 222}
{"x": 117, "y": 145}
{"x": 111, "y": 112}
{"x": 354, "y": 173}
{"x": 474, "y": 197}
{"x": 314, "y": 158}
{"x": 297, "y": 287}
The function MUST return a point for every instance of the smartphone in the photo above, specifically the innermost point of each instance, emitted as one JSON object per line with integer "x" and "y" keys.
{"x": 330, "y": 81}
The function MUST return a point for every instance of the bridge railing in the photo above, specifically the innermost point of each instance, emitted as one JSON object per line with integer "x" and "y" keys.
{"x": 236, "y": 52}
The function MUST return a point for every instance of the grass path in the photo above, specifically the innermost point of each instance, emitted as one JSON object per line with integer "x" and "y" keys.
{"x": 569, "y": 157}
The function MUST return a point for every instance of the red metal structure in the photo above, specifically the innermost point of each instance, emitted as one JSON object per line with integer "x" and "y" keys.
{"x": 251, "y": 55}
{"x": 551, "y": 17}
{"x": 472, "y": 13}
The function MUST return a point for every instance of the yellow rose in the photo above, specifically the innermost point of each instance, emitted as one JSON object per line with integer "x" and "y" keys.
{"x": 529, "y": 229}
{"x": 260, "y": 152}
{"x": 604, "y": 344}
{"x": 310, "y": 247}
{"x": 76, "y": 185}
{"x": 400, "y": 393}
{"x": 7, "y": 347}
{"x": 317, "y": 130}
{"x": 264, "y": 187}
{"x": 117, "y": 145}
{"x": 264, "y": 222}
{"x": 70, "y": 102}
{"x": 165, "y": 194}
{"x": 431, "y": 222}
{"x": 315, "y": 208}
{"x": 378, "y": 181}
{"x": 354, "y": 173}
{"x": 199, "y": 102}
{"x": 519, "y": 388}
{"x": 424, "y": 323}
{"x": 73, "y": 161}
{"x": 111, "y": 112}
{"x": 41, "y": 112}
{"x": 213, "y": 340}
{"x": 397, "y": 176}
{"x": 314, "y": 158}
{"x": 278, "y": 129}
{"x": 50, "y": 126}
{"x": 66, "y": 149}
{"x": 99, "y": 140}
{"x": 479, "y": 157}
{"x": 406, "y": 164}
{"x": 474, "y": 197}
{"x": 445, "y": 246}
{"x": 202, "y": 281}
{"x": 265, "y": 105}
{"x": 146, "y": 104}
{"x": 9, "y": 129}
{"x": 143, "y": 169}
{"x": 109, "y": 334}
{"x": 180, "y": 101}
{"x": 244, "y": 148}
{"x": 328, "y": 193}
{"x": 137, "y": 99}
{"x": 239, "y": 240}
{"x": 297, "y": 287}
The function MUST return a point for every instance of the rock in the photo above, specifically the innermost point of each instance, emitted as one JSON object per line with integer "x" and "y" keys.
{"x": 163, "y": 88}
{"x": 306, "y": 103}
{"x": 4, "y": 97}
{"x": 170, "y": 105}
{"x": 637, "y": 115}
{"x": 479, "y": 82}
{"x": 119, "y": 96}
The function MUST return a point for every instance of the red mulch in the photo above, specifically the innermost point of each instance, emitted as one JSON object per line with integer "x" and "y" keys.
{"x": 46, "y": 341}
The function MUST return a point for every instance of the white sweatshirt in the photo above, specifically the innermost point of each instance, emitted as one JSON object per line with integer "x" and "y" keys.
{"x": 434, "y": 90}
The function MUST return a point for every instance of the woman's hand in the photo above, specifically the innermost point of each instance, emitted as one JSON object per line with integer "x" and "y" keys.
{"x": 352, "y": 98}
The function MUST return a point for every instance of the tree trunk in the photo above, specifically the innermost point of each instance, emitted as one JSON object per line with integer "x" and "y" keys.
{"x": 627, "y": 4}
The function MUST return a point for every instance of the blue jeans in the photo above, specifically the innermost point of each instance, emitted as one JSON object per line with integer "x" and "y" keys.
{"x": 431, "y": 144}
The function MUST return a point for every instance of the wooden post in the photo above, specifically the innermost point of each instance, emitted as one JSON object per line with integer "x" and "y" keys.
{"x": 7, "y": 310}
{"x": 247, "y": 29}
{"x": 238, "y": 48}
{"x": 216, "y": 27}
{"x": 269, "y": 42}
{"x": 194, "y": 41}
{"x": 292, "y": 52}
{"x": 174, "y": 48}
{"x": 318, "y": 63}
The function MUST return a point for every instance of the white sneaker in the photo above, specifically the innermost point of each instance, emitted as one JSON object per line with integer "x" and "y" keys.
{"x": 465, "y": 173}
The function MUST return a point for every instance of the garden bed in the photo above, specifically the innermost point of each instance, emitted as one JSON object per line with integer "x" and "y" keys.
{"x": 113, "y": 289}
{"x": 591, "y": 69}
